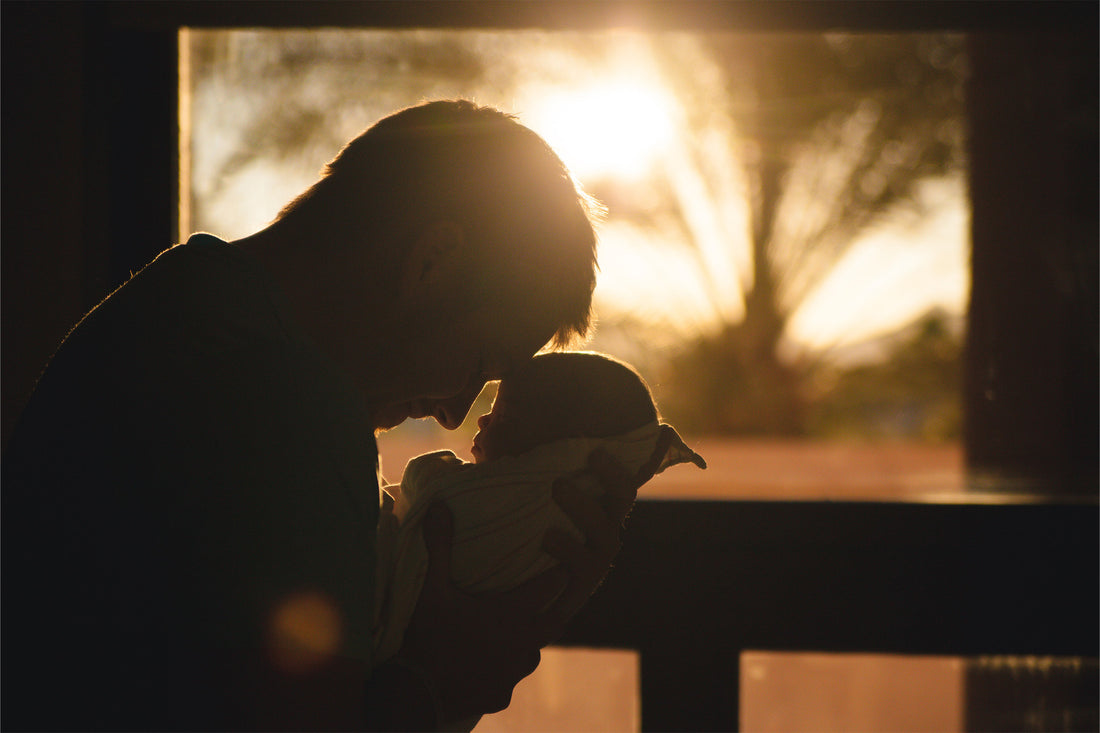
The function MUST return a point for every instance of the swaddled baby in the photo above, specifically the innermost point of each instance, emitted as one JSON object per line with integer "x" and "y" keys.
{"x": 546, "y": 419}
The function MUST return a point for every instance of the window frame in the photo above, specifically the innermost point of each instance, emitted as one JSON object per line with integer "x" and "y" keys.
{"x": 697, "y": 582}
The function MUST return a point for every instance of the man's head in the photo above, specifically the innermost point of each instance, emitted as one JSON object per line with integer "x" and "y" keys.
{"x": 563, "y": 395}
{"x": 468, "y": 221}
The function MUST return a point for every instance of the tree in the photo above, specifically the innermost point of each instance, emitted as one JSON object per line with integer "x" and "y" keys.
{"x": 791, "y": 146}
{"x": 834, "y": 134}
{"x": 914, "y": 393}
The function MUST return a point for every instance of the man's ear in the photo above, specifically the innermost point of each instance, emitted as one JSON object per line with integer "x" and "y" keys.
{"x": 432, "y": 256}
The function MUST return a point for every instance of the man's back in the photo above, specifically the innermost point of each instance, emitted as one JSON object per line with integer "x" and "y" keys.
{"x": 187, "y": 463}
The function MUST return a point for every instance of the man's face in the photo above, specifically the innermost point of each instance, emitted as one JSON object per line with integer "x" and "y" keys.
{"x": 443, "y": 370}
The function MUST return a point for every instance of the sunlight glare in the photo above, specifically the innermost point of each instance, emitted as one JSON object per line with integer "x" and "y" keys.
{"x": 611, "y": 127}
{"x": 892, "y": 276}
{"x": 653, "y": 282}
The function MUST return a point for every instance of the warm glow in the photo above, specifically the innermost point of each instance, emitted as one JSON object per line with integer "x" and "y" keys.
{"x": 610, "y": 127}
{"x": 646, "y": 121}
{"x": 886, "y": 279}
{"x": 574, "y": 689}
{"x": 304, "y": 630}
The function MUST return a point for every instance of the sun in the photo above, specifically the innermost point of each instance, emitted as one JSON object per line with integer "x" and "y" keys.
{"x": 611, "y": 127}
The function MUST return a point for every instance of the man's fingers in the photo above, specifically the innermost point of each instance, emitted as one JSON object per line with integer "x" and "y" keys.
{"x": 438, "y": 528}
{"x": 620, "y": 488}
{"x": 553, "y": 619}
{"x": 536, "y": 594}
{"x": 606, "y": 468}
{"x": 586, "y": 512}
{"x": 586, "y": 572}
{"x": 600, "y": 521}
{"x": 562, "y": 547}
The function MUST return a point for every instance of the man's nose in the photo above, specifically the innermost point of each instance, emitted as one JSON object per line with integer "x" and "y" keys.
{"x": 452, "y": 411}
{"x": 483, "y": 421}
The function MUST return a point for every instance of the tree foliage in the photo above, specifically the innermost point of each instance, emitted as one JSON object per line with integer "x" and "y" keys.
{"x": 834, "y": 133}
{"x": 916, "y": 393}
{"x": 793, "y": 146}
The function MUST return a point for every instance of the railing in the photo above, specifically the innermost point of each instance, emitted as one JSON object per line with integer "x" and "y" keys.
{"x": 699, "y": 582}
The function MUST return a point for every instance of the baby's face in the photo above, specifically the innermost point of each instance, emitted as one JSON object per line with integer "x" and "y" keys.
{"x": 511, "y": 427}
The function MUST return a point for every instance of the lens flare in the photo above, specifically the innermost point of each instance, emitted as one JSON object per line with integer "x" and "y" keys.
{"x": 304, "y": 631}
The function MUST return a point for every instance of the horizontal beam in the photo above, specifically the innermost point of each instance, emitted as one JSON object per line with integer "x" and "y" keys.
{"x": 730, "y": 15}
{"x": 697, "y": 583}
{"x": 914, "y": 578}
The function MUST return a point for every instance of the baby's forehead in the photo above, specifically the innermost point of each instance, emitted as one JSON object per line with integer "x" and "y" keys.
{"x": 526, "y": 384}
{"x": 559, "y": 391}
{"x": 550, "y": 418}
{"x": 519, "y": 394}
{"x": 522, "y": 390}
{"x": 577, "y": 393}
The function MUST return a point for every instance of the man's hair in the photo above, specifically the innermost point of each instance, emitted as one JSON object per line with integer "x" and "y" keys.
{"x": 587, "y": 394}
{"x": 528, "y": 226}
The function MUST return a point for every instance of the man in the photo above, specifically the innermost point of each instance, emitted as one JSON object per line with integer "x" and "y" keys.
{"x": 191, "y": 497}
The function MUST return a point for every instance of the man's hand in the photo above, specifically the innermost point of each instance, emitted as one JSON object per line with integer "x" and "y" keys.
{"x": 473, "y": 650}
{"x": 601, "y": 522}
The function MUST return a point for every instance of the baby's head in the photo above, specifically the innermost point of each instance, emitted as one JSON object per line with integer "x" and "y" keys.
{"x": 562, "y": 395}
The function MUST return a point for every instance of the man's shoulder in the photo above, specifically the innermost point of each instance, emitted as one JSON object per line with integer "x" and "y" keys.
{"x": 194, "y": 303}
{"x": 184, "y": 347}
{"x": 207, "y": 285}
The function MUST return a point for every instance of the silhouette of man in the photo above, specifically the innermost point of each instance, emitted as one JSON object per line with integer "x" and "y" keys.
{"x": 191, "y": 497}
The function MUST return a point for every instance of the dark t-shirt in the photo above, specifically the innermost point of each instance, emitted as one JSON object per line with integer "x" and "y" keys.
{"x": 191, "y": 480}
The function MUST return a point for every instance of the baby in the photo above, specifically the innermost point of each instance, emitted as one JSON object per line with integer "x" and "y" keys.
{"x": 545, "y": 421}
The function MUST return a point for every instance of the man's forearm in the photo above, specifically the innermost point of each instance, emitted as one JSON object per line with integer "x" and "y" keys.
{"x": 399, "y": 698}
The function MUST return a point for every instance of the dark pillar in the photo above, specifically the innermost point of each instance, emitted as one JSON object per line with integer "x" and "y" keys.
{"x": 44, "y": 172}
{"x": 1031, "y": 694}
{"x": 142, "y": 110}
{"x": 689, "y": 686}
{"x": 1031, "y": 373}
{"x": 89, "y": 170}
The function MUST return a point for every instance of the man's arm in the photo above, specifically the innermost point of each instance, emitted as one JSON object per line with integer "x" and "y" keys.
{"x": 469, "y": 652}
{"x": 399, "y": 697}
{"x": 601, "y": 522}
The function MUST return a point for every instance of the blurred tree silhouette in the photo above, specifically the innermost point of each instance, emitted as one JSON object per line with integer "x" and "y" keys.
{"x": 914, "y": 393}
{"x": 277, "y": 104}
{"x": 835, "y": 134}
{"x": 792, "y": 146}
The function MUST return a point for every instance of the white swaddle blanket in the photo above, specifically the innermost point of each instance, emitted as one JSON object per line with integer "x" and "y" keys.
{"x": 501, "y": 509}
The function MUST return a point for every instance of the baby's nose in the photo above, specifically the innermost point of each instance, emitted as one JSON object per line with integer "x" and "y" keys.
{"x": 483, "y": 420}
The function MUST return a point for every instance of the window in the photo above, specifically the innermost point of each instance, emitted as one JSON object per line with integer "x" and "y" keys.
{"x": 786, "y": 256}
{"x": 811, "y": 233}
{"x": 699, "y": 582}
